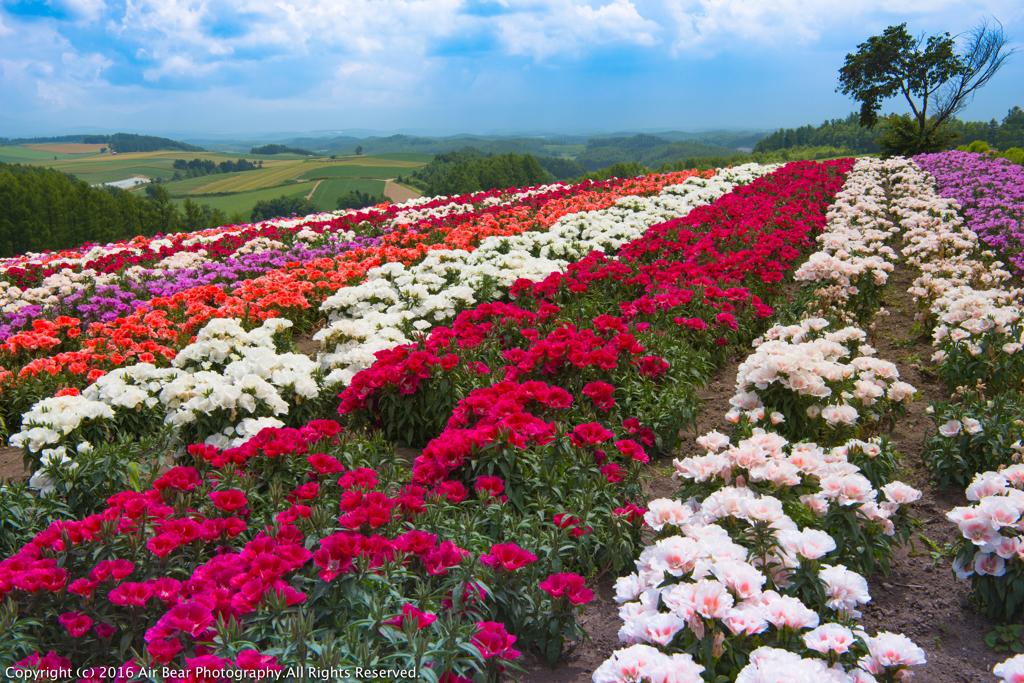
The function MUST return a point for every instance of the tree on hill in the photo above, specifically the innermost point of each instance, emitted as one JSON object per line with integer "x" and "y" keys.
{"x": 924, "y": 72}
{"x": 358, "y": 200}
{"x": 282, "y": 206}
{"x": 281, "y": 149}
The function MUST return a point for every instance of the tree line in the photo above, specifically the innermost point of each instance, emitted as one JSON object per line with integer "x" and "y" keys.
{"x": 468, "y": 170}
{"x": 850, "y": 136}
{"x": 201, "y": 167}
{"x": 118, "y": 142}
{"x": 282, "y": 149}
{"x": 43, "y": 209}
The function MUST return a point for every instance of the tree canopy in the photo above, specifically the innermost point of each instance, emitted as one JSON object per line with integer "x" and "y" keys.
{"x": 927, "y": 72}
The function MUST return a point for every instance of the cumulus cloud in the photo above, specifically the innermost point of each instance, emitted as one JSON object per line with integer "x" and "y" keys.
{"x": 703, "y": 26}
{"x": 564, "y": 26}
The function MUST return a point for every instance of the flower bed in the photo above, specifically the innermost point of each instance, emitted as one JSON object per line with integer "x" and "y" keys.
{"x": 550, "y": 435}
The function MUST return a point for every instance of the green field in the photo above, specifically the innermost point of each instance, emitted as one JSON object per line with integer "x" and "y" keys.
{"x": 403, "y": 156}
{"x": 327, "y": 193}
{"x": 182, "y": 187}
{"x": 382, "y": 172}
{"x": 22, "y": 155}
{"x": 109, "y": 176}
{"x": 244, "y": 201}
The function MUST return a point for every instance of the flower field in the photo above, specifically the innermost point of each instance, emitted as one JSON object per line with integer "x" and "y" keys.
{"x": 208, "y": 504}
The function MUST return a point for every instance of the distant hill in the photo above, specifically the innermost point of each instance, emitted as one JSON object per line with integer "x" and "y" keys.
{"x": 118, "y": 142}
{"x": 281, "y": 149}
{"x": 649, "y": 150}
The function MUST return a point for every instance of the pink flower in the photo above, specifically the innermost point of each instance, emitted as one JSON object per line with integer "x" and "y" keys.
{"x": 632, "y": 449}
{"x": 490, "y": 486}
{"x": 508, "y": 556}
{"x": 569, "y": 586}
{"x": 251, "y": 660}
{"x": 228, "y": 501}
{"x": 77, "y": 623}
{"x": 493, "y": 641}
{"x": 131, "y": 594}
{"x": 421, "y": 619}
{"x": 601, "y": 393}
{"x": 613, "y": 473}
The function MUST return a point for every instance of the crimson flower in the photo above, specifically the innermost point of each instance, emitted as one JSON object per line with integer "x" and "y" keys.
{"x": 632, "y": 449}
{"x": 493, "y": 641}
{"x": 77, "y": 623}
{"x": 131, "y": 594}
{"x": 422, "y": 619}
{"x": 251, "y": 660}
{"x": 601, "y": 393}
{"x": 163, "y": 651}
{"x": 568, "y": 586}
{"x": 588, "y": 434}
{"x": 490, "y": 486}
{"x": 509, "y": 556}
{"x": 613, "y": 472}
{"x": 228, "y": 501}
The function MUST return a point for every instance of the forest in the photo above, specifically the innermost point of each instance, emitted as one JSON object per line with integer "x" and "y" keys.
{"x": 118, "y": 142}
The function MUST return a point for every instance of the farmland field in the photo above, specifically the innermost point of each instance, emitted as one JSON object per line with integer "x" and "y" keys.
{"x": 24, "y": 155}
{"x": 190, "y": 185}
{"x": 244, "y": 201}
{"x": 404, "y": 156}
{"x": 262, "y": 179}
{"x": 348, "y": 171}
{"x": 70, "y": 148}
{"x": 327, "y": 193}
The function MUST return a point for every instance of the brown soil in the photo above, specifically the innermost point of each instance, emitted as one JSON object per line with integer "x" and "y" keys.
{"x": 919, "y": 598}
{"x": 11, "y": 467}
{"x": 398, "y": 193}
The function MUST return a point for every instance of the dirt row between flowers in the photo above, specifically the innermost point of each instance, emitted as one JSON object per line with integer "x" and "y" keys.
{"x": 920, "y": 598}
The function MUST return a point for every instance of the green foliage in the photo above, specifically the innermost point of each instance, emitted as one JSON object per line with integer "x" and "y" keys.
{"x": 903, "y": 136}
{"x": 43, "y": 209}
{"x": 1005, "y": 638}
{"x": 474, "y": 174}
{"x": 129, "y": 142}
{"x": 924, "y": 72}
{"x": 983, "y": 432}
{"x": 282, "y": 206}
{"x": 846, "y": 134}
{"x": 282, "y": 149}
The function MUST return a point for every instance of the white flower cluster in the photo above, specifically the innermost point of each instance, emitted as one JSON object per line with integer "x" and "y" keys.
{"x": 396, "y": 300}
{"x": 768, "y": 457}
{"x": 55, "y": 421}
{"x": 995, "y": 524}
{"x": 227, "y": 372}
{"x": 814, "y": 364}
{"x": 856, "y": 243}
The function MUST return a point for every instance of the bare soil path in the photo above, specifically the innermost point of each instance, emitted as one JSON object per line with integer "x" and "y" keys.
{"x": 397, "y": 193}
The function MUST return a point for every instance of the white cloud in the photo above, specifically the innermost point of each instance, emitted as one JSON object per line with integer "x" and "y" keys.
{"x": 708, "y": 26}
{"x": 87, "y": 10}
{"x": 563, "y": 26}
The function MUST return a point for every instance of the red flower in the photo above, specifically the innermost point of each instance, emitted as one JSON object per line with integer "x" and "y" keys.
{"x": 509, "y": 556}
{"x": 632, "y": 449}
{"x": 444, "y": 558}
{"x": 77, "y": 623}
{"x": 104, "y": 631}
{"x": 653, "y": 366}
{"x": 613, "y": 472}
{"x": 569, "y": 586}
{"x": 163, "y": 651}
{"x": 228, "y": 501}
{"x": 601, "y": 393}
{"x": 251, "y": 660}
{"x": 632, "y": 513}
{"x": 131, "y": 594}
{"x": 631, "y": 425}
{"x": 588, "y": 434}
{"x": 422, "y": 619}
{"x": 493, "y": 641}
{"x": 325, "y": 464}
{"x": 182, "y": 478}
{"x": 490, "y": 486}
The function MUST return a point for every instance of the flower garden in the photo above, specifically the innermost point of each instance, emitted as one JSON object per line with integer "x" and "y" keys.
{"x": 439, "y": 490}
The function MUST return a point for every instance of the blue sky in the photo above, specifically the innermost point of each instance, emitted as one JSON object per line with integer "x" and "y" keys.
{"x": 215, "y": 67}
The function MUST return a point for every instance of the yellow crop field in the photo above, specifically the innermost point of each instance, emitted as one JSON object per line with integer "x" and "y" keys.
{"x": 372, "y": 161}
{"x": 269, "y": 176}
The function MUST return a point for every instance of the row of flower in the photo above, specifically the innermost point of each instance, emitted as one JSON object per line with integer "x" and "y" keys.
{"x": 552, "y": 443}
{"x": 241, "y": 382}
{"x": 157, "y": 332}
{"x": 733, "y": 588}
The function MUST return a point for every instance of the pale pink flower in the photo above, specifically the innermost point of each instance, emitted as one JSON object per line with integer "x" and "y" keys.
{"x": 845, "y": 589}
{"x": 951, "y": 428}
{"x": 987, "y": 484}
{"x": 785, "y": 611}
{"x": 1011, "y": 671}
{"x": 887, "y": 650}
{"x": 712, "y": 600}
{"x": 900, "y": 493}
{"x": 989, "y": 564}
{"x": 746, "y": 618}
{"x": 743, "y": 579}
{"x": 662, "y": 628}
{"x": 713, "y": 441}
{"x": 830, "y": 638}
